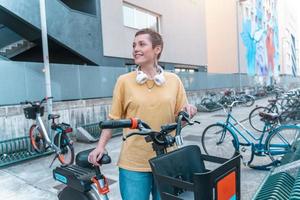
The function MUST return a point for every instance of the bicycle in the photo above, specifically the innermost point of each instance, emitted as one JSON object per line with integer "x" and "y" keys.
{"x": 210, "y": 101}
{"x": 288, "y": 111}
{"x": 39, "y": 137}
{"x": 221, "y": 139}
{"x": 231, "y": 96}
{"x": 84, "y": 185}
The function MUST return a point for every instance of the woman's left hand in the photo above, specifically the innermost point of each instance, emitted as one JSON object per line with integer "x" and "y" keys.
{"x": 190, "y": 109}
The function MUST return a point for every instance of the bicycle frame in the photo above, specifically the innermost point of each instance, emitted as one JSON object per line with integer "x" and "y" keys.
{"x": 41, "y": 124}
{"x": 232, "y": 126}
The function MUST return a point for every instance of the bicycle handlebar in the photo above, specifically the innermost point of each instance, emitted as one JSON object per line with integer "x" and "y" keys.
{"x": 32, "y": 103}
{"x": 45, "y": 99}
{"x": 229, "y": 106}
{"x": 123, "y": 123}
{"x": 144, "y": 128}
{"x": 134, "y": 123}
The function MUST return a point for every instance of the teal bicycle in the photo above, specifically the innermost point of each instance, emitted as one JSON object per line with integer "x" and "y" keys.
{"x": 225, "y": 139}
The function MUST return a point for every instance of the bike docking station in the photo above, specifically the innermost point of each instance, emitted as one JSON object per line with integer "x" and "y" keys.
{"x": 20, "y": 149}
{"x": 182, "y": 175}
{"x": 38, "y": 143}
{"x": 17, "y": 150}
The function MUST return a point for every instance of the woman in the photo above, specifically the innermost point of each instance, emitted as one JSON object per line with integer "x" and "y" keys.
{"x": 151, "y": 95}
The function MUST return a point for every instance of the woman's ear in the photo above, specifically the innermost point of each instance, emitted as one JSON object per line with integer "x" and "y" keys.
{"x": 157, "y": 49}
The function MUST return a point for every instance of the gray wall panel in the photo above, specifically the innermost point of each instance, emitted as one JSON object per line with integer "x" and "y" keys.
{"x": 98, "y": 82}
{"x": 34, "y": 81}
{"x": 12, "y": 83}
{"x": 65, "y": 82}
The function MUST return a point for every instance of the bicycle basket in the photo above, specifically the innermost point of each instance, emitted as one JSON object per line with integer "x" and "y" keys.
{"x": 30, "y": 112}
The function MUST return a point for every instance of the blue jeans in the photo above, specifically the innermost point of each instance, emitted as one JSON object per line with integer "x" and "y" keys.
{"x": 137, "y": 185}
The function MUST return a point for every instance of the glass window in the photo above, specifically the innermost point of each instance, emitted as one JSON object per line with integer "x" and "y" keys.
{"x": 128, "y": 16}
{"x": 141, "y": 19}
{"x": 138, "y": 18}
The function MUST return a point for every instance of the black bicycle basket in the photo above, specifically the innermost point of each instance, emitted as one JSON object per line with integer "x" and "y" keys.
{"x": 30, "y": 112}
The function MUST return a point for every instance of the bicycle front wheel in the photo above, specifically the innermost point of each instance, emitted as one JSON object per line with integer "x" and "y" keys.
{"x": 36, "y": 139}
{"x": 281, "y": 141}
{"x": 66, "y": 155}
{"x": 218, "y": 140}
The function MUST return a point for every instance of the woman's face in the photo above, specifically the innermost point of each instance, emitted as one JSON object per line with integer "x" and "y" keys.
{"x": 143, "y": 52}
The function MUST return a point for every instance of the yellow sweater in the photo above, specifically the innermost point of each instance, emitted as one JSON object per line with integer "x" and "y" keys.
{"x": 156, "y": 106}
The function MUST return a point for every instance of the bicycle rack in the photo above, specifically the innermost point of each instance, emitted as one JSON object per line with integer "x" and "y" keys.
{"x": 281, "y": 184}
{"x": 278, "y": 186}
{"x": 92, "y": 132}
{"x": 17, "y": 150}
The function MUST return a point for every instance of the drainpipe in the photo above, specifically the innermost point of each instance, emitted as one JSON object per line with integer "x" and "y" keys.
{"x": 238, "y": 42}
{"x": 46, "y": 59}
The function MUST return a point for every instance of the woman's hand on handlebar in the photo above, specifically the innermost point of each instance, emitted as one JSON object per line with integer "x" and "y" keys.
{"x": 96, "y": 155}
{"x": 190, "y": 109}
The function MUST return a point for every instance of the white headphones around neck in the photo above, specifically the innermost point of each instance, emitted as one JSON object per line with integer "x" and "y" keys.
{"x": 158, "y": 79}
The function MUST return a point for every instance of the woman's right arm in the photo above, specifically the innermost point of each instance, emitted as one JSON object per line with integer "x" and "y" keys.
{"x": 97, "y": 153}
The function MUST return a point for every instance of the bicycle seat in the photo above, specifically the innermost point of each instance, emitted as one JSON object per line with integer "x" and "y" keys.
{"x": 82, "y": 159}
{"x": 53, "y": 116}
{"x": 268, "y": 116}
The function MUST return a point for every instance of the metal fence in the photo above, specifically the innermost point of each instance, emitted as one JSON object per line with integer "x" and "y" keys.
{"x": 25, "y": 80}
{"x": 21, "y": 80}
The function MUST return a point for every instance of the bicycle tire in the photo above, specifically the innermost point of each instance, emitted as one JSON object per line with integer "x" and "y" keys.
{"x": 67, "y": 154}
{"x": 37, "y": 140}
{"x": 254, "y": 119}
{"x": 212, "y": 145}
{"x": 207, "y": 103}
{"x": 280, "y": 141}
{"x": 249, "y": 100}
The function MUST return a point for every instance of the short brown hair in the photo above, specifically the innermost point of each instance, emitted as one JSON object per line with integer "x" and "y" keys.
{"x": 155, "y": 38}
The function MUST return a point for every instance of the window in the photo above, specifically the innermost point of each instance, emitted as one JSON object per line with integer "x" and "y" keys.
{"x": 188, "y": 68}
{"x": 138, "y": 18}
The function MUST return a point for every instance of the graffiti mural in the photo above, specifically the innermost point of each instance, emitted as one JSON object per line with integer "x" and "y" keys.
{"x": 260, "y": 37}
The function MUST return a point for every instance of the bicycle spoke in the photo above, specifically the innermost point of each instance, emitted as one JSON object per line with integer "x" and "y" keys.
{"x": 218, "y": 141}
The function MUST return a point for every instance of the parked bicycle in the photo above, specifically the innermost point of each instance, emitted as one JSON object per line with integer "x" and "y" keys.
{"x": 224, "y": 139}
{"x": 287, "y": 106}
{"x": 210, "y": 101}
{"x": 241, "y": 97}
{"x": 83, "y": 184}
{"x": 39, "y": 137}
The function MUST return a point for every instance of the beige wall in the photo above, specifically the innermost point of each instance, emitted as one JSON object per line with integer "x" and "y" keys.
{"x": 182, "y": 27}
{"x": 287, "y": 24}
{"x": 221, "y": 36}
